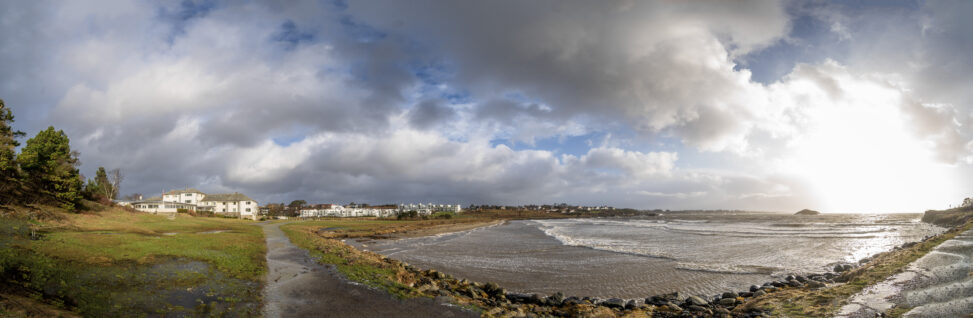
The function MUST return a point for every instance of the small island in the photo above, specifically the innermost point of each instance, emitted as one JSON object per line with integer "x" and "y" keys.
{"x": 807, "y": 212}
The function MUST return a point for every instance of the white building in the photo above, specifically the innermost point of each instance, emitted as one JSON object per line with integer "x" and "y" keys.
{"x": 190, "y": 195}
{"x": 232, "y": 204}
{"x": 430, "y": 208}
{"x": 334, "y": 210}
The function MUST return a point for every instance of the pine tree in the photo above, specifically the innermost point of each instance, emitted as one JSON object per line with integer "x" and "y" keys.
{"x": 9, "y": 170}
{"x": 51, "y": 168}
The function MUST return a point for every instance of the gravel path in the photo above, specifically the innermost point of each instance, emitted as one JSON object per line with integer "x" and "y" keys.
{"x": 939, "y": 284}
{"x": 297, "y": 286}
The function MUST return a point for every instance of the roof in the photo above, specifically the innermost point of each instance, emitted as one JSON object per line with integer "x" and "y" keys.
{"x": 227, "y": 197}
{"x": 187, "y": 190}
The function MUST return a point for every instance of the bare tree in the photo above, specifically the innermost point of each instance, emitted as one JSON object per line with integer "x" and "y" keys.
{"x": 115, "y": 178}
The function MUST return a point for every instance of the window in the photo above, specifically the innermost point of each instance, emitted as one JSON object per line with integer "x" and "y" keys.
{"x": 248, "y": 203}
{"x": 188, "y": 194}
{"x": 248, "y": 209}
{"x": 188, "y": 201}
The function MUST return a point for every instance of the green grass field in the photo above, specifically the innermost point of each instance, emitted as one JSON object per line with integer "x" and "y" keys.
{"x": 120, "y": 263}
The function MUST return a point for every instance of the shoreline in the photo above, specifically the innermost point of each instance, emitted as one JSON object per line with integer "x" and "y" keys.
{"x": 494, "y": 300}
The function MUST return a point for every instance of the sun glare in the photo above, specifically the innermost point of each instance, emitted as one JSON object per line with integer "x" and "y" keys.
{"x": 862, "y": 157}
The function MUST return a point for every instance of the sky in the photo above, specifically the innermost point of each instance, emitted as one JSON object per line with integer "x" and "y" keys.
{"x": 858, "y": 106}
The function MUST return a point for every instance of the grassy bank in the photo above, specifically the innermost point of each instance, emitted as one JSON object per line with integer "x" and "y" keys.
{"x": 827, "y": 301}
{"x": 119, "y": 263}
{"x": 323, "y": 239}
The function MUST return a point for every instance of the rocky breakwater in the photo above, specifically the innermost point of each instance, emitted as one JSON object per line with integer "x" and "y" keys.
{"x": 498, "y": 302}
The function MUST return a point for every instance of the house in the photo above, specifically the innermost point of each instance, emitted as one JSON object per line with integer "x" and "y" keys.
{"x": 190, "y": 195}
{"x": 230, "y": 204}
{"x": 157, "y": 205}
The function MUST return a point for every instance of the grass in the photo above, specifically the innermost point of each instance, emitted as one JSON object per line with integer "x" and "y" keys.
{"x": 120, "y": 263}
{"x": 364, "y": 267}
{"x": 826, "y": 302}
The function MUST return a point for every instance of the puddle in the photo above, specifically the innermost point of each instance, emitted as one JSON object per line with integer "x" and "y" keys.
{"x": 213, "y": 232}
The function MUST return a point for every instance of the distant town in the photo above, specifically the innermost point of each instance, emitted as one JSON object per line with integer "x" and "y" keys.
{"x": 240, "y": 205}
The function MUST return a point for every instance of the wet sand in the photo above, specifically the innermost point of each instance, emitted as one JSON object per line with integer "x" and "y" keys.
{"x": 938, "y": 284}
{"x": 297, "y": 286}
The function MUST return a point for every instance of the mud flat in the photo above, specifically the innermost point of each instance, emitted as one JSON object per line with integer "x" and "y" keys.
{"x": 938, "y": 284}
{"x": 297, "y": 286}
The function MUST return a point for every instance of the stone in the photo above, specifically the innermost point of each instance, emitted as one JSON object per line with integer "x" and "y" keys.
{"x": 630, "y": 305}
{"x": 614, "y": 303}
{"x": 801, "y": 278}
{"x": 746, "y": 294}
{"x": 728, "y": 302}
{"x": 759, "y": 293}
{"x": 754, "y": 288}
{"x": 700, "y": 309}
{"x": 673, "y": 307}
{"x": 778, "y": 284}
{"x": 427, "y": 288}
{"x": 729, "y": 295}
{"x": 815, "y": 284}
{"x": 696, "y": 301}
{"x": 656, "y": 300}
{"x": 795, "y": 283}
{"x": 790, "y": 278}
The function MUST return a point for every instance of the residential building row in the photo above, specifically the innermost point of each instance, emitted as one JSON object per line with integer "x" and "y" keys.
{"x": 358, "y": 210}
{"x": 228, "y": 204}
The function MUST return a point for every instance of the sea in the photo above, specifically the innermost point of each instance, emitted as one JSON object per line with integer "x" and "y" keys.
{"x": 700, "y": 253}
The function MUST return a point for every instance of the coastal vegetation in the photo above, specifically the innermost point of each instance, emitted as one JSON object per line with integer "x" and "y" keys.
{"x": 115, "y": 262}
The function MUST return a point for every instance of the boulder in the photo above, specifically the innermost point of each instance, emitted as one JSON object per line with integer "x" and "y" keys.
{"x": 614, "y": 303}
{"x": 696, "y": 301}
{"x": 729, "y": 295}
{"x": 673, "y": 307}
{"x": 759, "y": 293}
{"x": 815, "y": 284}
{"x": 754, "y": 288}
{"x": 728, "y": 302}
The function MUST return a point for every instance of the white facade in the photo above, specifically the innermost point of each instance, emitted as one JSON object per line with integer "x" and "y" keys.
{"x": 190, "y": 196}
{"x": 193, "y": 200}
{"x": 430, "y": 208}
{"x": 340, "y": 211}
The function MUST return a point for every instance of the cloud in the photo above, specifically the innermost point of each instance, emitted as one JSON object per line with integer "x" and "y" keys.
{"x": 461, "y": 101}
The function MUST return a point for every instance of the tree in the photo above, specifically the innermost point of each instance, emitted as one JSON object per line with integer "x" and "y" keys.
{"x": 115, "y": 178}
{"x": 51, "y": 168}
{"x": 9, "y": 170}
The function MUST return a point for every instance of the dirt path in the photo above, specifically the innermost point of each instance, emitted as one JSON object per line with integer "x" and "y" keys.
{"x": 938, "y": 284}
{"x": 297, "y": 286}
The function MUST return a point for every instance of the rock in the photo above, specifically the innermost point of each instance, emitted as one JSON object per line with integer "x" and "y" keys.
{"x": 801, "y": 278}
{"x": 721, "y": 311}
{"x": 795, "y": 283}
{"x": 728, "y": 302}
{"x": 630, "y": 305}
{"x": 746, "y": 294}
{"x": 427, "y": 288}
{"x": 535, "y": 299}
{"x": 790, "y": 278}
{"x": 518, "y": 298}
{"x": 807, "y": 212}
{"x": 696, "y": 301}
{"x": 759, "y": 293}
{"x": 555, "y": 300}
{"x": 656, "y": 300}
{"x": 729, "y": 295}
{"x": 778, "y": 284}
{"x": 841, "y": 268}
{"x": 700, "y": 309}
{"x": 754, "y": 288}
{"x": 614, "y": 303}
{"x": 673, "y": 307}
{"x": 815, "y": 284}
{"x": 768, "y": 289}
